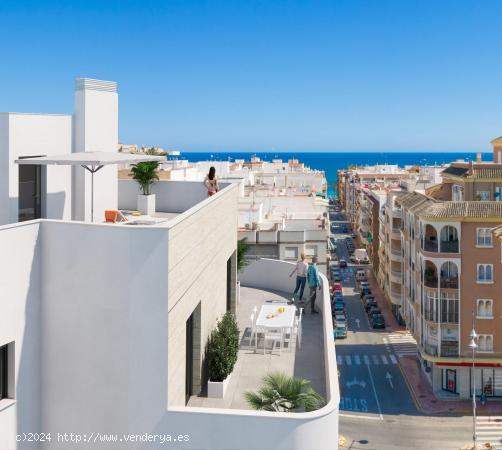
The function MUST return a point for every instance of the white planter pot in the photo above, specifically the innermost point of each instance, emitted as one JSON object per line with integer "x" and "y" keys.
{"x": 216, "y": 389}
{"x": 146, "y": 204}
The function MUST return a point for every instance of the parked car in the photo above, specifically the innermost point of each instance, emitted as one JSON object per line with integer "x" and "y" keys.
{"x": 370, "y": 305}
{"x": 361, "y": 275}
{"x": 337, "y": 287}
{"x": 340, "y": 318}
{"x": 353, "y": 235}
{"x": 339, "y": 308}
{"x": 343, "y": 263}
{"x": 340, "y": 331}
{"x": 364, "y": 284}
{"x": 377, "y": 321}
{"x": 373, "y": 310}
{"x": 367, "y": 299}
{"x": 365, "y": 291}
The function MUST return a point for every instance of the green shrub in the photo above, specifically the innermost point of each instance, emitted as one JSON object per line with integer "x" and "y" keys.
{"x": 223, "y": 348}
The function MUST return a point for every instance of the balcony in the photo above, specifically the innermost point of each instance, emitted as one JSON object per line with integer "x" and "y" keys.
{"x": 395, "y": 254}
{"x": 395, "y": 296}
{"x": 395, "y": 276}
{"x": 430, "y": 245}
{"x": 449, "y": 246}
{"x": 449, "y": 348}
{"x": 449, "y": 283}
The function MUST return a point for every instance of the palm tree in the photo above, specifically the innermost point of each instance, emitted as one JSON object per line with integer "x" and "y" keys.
{"x": 145, "y": 174}
{"x": 281, "y": 393}
{"x": 242, "y": 248}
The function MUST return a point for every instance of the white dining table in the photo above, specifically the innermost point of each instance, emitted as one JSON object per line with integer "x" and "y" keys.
{"x": 283, "y": 320}
{"x": 269, "y": 318}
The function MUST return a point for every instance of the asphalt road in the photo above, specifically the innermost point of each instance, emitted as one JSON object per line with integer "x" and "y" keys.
{"x": 377, "y": 410}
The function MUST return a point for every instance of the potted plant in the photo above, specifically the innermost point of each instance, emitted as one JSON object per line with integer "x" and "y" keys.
{"x": 281, "y": 393}
{"x": 222, "y": 351}
{"x": 145, "y": 174}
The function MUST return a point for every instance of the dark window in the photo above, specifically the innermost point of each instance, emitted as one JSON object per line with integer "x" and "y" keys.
{"x": 4, "y": 371}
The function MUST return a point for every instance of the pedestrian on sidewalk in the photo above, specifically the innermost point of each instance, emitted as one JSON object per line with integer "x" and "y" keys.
{"x": 314, "y": 281}
{"x": 301, "y": 278}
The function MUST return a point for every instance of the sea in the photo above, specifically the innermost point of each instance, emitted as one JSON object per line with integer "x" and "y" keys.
{"x": 331, "y": 162}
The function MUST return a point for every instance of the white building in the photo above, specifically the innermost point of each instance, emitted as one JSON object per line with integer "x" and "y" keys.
{"x": 103, "y": 326}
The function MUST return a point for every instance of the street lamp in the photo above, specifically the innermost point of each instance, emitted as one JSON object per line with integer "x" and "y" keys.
{"x": 473, "y": 345}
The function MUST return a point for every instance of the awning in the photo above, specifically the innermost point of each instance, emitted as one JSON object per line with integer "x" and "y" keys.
{"x": 90, "y": 161}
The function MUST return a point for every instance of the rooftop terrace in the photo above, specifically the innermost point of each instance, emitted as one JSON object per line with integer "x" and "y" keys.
{"x": 305, "y": 362}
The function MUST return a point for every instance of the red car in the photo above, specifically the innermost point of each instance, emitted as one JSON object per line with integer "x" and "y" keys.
{"x": 337, "y": 287}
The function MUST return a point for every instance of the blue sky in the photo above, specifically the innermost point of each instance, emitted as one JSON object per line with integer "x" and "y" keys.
{"x": 267, "y": 75}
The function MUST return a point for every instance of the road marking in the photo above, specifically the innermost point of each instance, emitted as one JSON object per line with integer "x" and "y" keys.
{"x": 384, "y": 359}
{"x": 375, "y": 360}
{"x": 375, "y": 393}
{"x": 489, "y": 430}
{"x": 348, "y": 360}
{"x": 339, "y": 360}
{"x": 358, "y": 416}
{"x": 388, "y": 376}
{"x": 393, "y": 359}
{"x": 366, "y": 360}
{"x": 357, "y": 359}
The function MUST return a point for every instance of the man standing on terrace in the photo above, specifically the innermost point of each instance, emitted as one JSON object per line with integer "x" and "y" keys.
{"x": 314, "y": 281}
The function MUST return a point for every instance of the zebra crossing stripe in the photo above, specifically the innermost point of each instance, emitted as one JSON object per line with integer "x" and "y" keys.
{"x": 366, "y": 359}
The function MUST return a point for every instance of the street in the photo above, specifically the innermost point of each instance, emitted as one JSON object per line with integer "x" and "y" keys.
{"x": 377, "y": 410}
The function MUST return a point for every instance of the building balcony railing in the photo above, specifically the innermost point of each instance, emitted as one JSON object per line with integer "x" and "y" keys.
{"x": 430, "y": 245}
{"x": 396, "y": 273}
{"x": 449, "y": 283}
{"x": 431, "y": 350}
{"x": 449, "y": 246}
{"x": 449, "y": 348}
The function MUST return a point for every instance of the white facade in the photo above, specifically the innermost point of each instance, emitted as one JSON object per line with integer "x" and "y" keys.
{"x": 92, "y": 127}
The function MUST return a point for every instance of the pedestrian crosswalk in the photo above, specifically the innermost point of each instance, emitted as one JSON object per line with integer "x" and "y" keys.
{"x": 489, "y": 431}
{"x": 358, "y": 360}
{"x": 402, "y": 344}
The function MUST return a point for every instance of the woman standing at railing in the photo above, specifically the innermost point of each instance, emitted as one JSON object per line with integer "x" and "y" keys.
{"x": 211, "y": 182}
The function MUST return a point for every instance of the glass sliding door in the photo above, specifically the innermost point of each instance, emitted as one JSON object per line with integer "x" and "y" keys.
{"x": 30, "y": 192}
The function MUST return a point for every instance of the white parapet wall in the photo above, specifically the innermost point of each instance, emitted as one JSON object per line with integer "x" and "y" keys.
{"x": 255, "y": 430}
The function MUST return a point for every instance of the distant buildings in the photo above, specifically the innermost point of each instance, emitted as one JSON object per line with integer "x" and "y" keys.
{"x": 440, "y": 264}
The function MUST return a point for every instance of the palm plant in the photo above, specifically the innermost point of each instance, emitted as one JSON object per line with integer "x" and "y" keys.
{"x": 145, "y": 174}
{"x": 281, "y": 393}
{"x": 242, "y": 248}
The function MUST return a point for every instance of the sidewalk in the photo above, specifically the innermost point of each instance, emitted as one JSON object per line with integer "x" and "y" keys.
{"x": 428, "y": 403}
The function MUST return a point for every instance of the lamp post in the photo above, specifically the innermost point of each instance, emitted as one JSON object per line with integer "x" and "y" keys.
{"x": 473, "y": 345}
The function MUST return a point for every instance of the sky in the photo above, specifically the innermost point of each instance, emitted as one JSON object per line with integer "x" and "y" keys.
{"x": 336, "y": 75}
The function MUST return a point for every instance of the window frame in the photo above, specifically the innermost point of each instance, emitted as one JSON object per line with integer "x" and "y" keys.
{"x": 286, "y": 248}
{"x": 484, "y": 281}
{"x": 484, "y": 301}
{"x": 484, "y": 338}
{"x": 484, "y": 233}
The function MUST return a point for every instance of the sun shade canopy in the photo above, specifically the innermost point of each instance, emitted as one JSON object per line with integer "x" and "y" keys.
{"x": 89, "y": 159}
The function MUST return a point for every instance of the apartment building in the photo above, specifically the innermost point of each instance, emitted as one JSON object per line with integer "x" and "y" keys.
{"x": 391, "y": 262}
{"x": 451, "y": 279}
{"x": 352, "y": 179}
{"x": 103, "y": 326}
